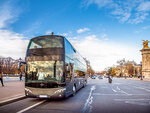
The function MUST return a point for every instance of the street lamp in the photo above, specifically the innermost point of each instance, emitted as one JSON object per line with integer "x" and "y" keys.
{"x": 141, "y": 73}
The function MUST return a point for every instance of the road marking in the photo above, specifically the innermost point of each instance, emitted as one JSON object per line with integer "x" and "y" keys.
{"x": 145, "y": 102}
{"x": 118, "y": 83}
{"x": 118, "y": 94}
{"x": 12, "y": 98}
{"x": 130, "y": 99}
{"x": 107, "y": 94}
{"x": 114, "y": 90}
{"x": 87, "y": 106}
{"x": 142, "y": 88}
{"x": 118, "y": 88}
{"x": 124, "y": 92}
{"x": 21, "y": 111}
{"x": 139, "y": 87}
{"x": 120, "y": 91}
{"x": 103, "y": 87}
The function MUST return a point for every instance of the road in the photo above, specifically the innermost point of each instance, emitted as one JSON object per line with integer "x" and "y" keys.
{"x": 122, "y": 96}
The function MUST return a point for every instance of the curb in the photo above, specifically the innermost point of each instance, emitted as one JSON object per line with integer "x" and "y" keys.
{"x": 8, "y": 101}
{"x": 137, "y": 79}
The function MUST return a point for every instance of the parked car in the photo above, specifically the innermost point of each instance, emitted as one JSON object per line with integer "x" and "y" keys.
{"x": 100, "y": 77}
{"x": 93, "y": 77}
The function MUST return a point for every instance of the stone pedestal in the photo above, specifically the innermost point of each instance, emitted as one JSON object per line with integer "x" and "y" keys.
{"x": 146, "y": 62}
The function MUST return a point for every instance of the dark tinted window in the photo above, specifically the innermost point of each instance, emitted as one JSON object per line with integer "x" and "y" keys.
{"x": 46, "y": 42}
{"x": 72, "y": 56}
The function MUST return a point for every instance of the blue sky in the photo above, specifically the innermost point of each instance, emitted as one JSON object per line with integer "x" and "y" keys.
{"x": 103, "y": 31}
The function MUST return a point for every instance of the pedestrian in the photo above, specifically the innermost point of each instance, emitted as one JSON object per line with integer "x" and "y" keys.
{"x": 1, "y": 79}
{"x": 109, "y": 79}
{"x": 20, "y": 76}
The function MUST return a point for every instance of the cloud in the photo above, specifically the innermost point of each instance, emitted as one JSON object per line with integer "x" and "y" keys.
{"x": 142, "y": 29}
{"x": 12, "y": 44}
{"x": 83, "y": 30}
{"x": 63, "y": 34}
{"x": 48, "y": 32}
{"x": 104, "y": 37}
{"x": 129, "y": 11}
{"x": 8, "y": 14}
{"x": 33, "y": 28}
{"x": 101, "y": 3}
{"x": 139, "y": 18}
{"x": 145, "y": 6}
{"x": 103, "y": 53}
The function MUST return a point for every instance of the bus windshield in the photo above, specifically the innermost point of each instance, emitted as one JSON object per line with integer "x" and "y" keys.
{"x": 46, "y": 42}
{"x": 44, "y": 71}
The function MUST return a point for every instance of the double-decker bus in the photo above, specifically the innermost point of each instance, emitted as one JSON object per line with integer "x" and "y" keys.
{"x": 54, "y": 69}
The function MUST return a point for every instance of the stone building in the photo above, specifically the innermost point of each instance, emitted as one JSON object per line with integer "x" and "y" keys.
{"x": 146, "y": 59}
{"x": 130, "y": 69}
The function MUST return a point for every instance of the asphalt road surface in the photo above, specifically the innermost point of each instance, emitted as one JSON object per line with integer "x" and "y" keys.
{"x": 121, "y": 96}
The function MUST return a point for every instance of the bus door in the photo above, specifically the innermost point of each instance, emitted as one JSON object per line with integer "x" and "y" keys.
{"x": 69, "y": 74}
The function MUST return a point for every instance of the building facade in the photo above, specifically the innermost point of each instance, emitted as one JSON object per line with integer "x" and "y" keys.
{"x": 145, "y": 59}
{"x": 146, "y": 63}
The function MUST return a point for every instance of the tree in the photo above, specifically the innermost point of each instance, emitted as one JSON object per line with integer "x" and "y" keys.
{"x": 9, "y": 65}
{"x": 90, "y": 71}
{"x": 121, "y": 64}
{"x": 1, "y": 64}
{"x": 109, "y": 71}
{"x": 113, "y": 71}
{"x": 130, "y": 68}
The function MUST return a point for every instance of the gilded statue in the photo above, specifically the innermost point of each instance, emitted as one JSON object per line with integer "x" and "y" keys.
{"x": 145, "y": 44}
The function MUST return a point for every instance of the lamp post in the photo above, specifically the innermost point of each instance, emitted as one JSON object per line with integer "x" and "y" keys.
{"x": 141, "y": 73}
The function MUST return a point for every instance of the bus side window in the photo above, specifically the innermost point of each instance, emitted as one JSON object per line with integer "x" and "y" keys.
{"x": 80, "y": 74}
{"x": 68, "y": 71}
{"x": 71, "y": 69}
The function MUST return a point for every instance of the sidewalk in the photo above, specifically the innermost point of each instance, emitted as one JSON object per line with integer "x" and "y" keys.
{"x": 5, "y": 79}
{"x": 11, "y": 91}
{"x": 138, "y": 79}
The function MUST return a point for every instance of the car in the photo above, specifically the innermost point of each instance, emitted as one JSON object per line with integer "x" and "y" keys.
{"x": 93, "y": 77}
{"x": 100, "y": 77}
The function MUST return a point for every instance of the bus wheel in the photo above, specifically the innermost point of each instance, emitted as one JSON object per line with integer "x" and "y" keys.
{"x": 74, "y": 90}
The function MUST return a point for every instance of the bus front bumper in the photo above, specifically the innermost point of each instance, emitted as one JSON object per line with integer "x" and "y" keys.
{"x": 52, "y": 93}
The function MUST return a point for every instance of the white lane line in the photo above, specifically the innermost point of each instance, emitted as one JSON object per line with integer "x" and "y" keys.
{"x": 114, "y": 90}
{"x": 123, "y": 94}
{"x": 135, "y": 101}
{"x": 118, "y": 83}
{"x": 13, "y": 98}
{"x": 87, "y": 106}
{"x": 123, "y": 91}
{"x": 145, "y": 88}
{"x": 118, "y": 88}
{"x": 142, "y": 88}
{"x": 21, "y": 111}
{"x": 130, "y": 99}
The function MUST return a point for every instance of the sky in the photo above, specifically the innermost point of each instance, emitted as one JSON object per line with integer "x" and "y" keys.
{"x": 103, "y": 31}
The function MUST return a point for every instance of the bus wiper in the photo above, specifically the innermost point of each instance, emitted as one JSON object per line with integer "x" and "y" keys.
{"x": 35, "y": 54}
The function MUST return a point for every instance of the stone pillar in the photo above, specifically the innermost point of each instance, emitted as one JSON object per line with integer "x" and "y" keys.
{"x": 146, "y": 62}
